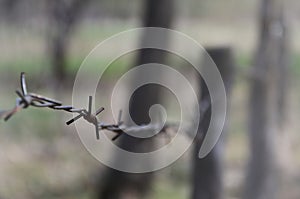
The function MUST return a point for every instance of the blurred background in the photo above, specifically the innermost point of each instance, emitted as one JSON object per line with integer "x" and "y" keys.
{"x": 256, "y": 47}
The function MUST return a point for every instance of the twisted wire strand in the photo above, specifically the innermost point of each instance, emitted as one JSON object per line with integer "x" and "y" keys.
{"x": 26, "y": 100}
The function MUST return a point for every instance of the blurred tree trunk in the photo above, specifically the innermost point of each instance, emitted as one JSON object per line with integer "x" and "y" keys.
{"x": 64, "y": 16}
{"x": 283, "y": 64}
{"x": 267, "y": 103}
{"x": 8, "y": 10}
{"x": 120, "y": 185}
{"x": 207, "y": 173}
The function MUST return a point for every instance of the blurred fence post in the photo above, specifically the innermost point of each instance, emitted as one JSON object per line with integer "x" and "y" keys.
{"x": 207, "y": 173}
{"x": 63, "y": 18}
{"x": 267, "y": 96}
{"x": 120, "y": 185}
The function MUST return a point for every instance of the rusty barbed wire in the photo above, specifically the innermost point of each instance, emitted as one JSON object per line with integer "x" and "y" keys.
{"x": 120, "y": 128}
{"x": 26, "y": 99}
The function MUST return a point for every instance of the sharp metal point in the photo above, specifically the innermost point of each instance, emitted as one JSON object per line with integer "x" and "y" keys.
{"x": 99, "y": 111}
{"x": 12, "y": 112}
{"x": 116, "y": 136}
{"x": 97, "y": 131}
{"x": 23, "y": 84}
{"x": 74, "y": 119}
{"x": 120, "y": 117}
{"x": 3, "y": 114}
{"x": 90, "y": 105}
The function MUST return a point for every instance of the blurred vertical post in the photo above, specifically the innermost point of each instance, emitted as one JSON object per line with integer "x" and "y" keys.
{"x": 207, "y": 173}
{"x": 63, "y": 18}
{"x": 267, "y": 98}
{"x": 119, "y": 185}
{"x": 8, "y": 9}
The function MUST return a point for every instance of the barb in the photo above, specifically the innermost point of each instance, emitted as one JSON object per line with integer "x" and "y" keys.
{"x": 89, "y": 117}
{"x": 26, "y": 99}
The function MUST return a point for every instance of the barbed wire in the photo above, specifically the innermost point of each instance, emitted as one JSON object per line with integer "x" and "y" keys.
{"x": 26, "y": 99}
